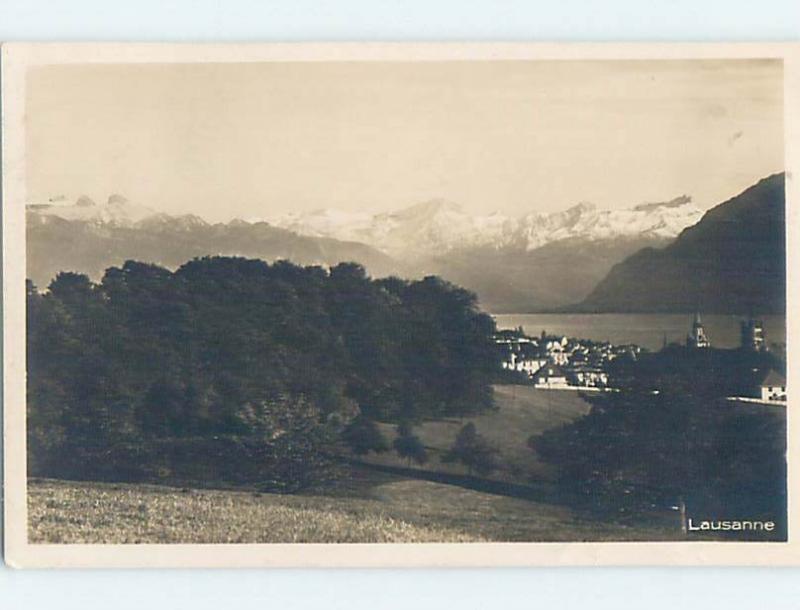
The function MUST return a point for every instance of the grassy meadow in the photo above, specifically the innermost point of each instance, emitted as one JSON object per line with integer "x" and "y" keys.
{"x": 395, "y": 510}
{"x": 522, "y": 411}
{"x": 64, "y": 512}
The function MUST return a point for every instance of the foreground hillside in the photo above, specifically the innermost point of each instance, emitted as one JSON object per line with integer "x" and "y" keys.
{"x": 378, "y": 502}
{"x": 521, "y": 411}
{"x": 732, "y": 261}
{"x": 394, "y": 510}
{"x": 64, "y": 512}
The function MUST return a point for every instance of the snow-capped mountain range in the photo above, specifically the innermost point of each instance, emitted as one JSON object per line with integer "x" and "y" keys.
{"x": 118, "y": 211}
{"x": 596, "y": 258}
{"x": 433, "y": 227}
{"x": 89, "y": 238}
{"x": 439, "y": 226}
{"x": 534, "y": 261}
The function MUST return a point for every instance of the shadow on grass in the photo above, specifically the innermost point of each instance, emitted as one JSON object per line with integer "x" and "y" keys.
{"x": 539, "y": 492}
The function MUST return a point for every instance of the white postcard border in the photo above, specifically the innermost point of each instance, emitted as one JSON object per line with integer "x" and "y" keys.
{"x": 17, "y": 58}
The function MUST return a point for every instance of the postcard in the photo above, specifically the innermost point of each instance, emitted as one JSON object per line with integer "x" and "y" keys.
{"x": 400, "y": 304}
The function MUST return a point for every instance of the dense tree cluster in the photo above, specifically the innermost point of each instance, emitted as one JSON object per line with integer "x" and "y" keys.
{"x": 473, "y": 451}
{"x": 238, "y": 357}
{"x": 709, "y": 373}
{"x": 409, "y": 446}
{"x": 668, "y": 437}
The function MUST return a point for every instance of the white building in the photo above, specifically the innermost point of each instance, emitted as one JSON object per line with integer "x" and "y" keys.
{"x": 523, "y": 364}
{"x": 588, "y": 376}
{"x": 550, "y": 376}
{"x": 773, "y": 388}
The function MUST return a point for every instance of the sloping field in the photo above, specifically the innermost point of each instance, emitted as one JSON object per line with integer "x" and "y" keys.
{"x": 368, "y": 505}
{"x": 393, "y": 511}
{"x": 71, "y": 512}
{"x": 522, "y": 411}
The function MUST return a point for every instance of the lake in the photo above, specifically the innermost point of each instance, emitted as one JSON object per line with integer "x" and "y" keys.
{"x": 646, "y": 330}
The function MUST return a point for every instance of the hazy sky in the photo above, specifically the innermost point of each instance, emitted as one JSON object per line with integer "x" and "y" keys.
{"x": 253, "y": 140}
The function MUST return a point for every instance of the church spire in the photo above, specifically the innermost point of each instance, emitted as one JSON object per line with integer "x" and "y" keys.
{"x": 697, "y": 337}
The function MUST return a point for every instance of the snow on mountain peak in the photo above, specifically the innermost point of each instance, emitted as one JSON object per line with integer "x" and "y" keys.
{"x": 581, "y": 208}
{"x": 83, "y": 202}
{"x": 674, "y": 203}
{"x": 118, "y": 211}
{"x": 433, "y": 227}
{"x": 323, "y": 223}
{"x": 438, "y": 226}
{"x": 117, "y": 199}
{"x": 428, "y": 209}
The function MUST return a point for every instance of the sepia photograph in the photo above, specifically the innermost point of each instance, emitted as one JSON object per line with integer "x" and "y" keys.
{"x": 415, "y": 299}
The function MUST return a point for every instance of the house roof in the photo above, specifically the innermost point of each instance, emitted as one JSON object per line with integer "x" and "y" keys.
{"x": 773, "y": 378}
{"x": 551, "y": 370}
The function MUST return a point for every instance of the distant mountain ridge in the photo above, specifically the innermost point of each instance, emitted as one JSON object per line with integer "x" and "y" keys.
{"x": 509, "y": 280}
{"x": 117, "y": 211}
{"x": 439, "y": 226}
{"x": 531, "y": 263}
{"x": 732, "y": 261}
{"x": 89, "y": 238}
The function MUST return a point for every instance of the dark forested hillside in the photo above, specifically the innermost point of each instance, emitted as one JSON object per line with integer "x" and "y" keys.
{"x": 253, "y": 366}
{"x": 732, "y": 261}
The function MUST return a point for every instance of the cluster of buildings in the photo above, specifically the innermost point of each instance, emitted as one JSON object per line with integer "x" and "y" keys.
{"x": 772, "y": 385}
{"x": 559, "y": 362}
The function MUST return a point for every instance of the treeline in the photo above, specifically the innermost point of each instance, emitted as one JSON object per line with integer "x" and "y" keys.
{"x": 238, "y": 369}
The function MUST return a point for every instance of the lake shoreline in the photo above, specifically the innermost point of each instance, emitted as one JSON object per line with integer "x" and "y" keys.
{"x": 648, "y": 330}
